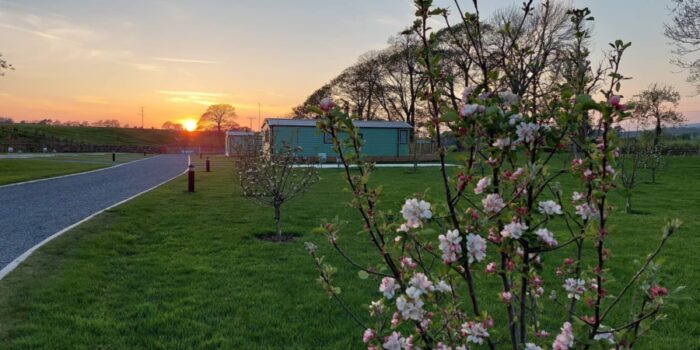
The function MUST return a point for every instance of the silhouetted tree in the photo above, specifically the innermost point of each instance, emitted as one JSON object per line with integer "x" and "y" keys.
{"x": 168, "y": 125}
{"x": 218, "y": 117}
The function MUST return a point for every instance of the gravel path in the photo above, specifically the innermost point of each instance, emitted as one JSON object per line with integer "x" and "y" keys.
{"x": 29, "y": 213}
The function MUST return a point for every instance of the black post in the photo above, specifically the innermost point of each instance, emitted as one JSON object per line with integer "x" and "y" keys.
{"x": 208, "y": 165}
{"x": 114, "y": 157}
{"x": 190, "y": 178}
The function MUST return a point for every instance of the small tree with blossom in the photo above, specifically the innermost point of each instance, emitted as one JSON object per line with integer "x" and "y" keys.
{"x": 432, "y": 293}
{"x": 275, "y": 179}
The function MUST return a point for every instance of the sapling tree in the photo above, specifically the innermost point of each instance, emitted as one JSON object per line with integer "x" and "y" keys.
{"x": 438, "y": 259}
{"x": 275, "y": 179}
{"x": 632, "y": 158}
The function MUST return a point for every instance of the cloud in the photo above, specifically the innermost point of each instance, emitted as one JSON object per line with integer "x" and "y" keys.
{"x": 191, "y": 93}
{"x": 193, "y": 97}
{"x": 184, "y": 60}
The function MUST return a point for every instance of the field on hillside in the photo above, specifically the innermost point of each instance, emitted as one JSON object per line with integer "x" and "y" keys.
{"x": 172, "y": 270}
{"x": 32, "y": 167}
{"x": 89, "y": 135}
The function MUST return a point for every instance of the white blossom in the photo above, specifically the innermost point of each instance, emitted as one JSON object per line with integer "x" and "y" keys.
{"x": 550, "y": 207}
{"x": 476, "y": 248}
{"x": 410, "y": 309}
{"x": 508, "y": 98}
{"x": 468, "y": 110}
{"x": 546, "y": 237}
{"x": 574, "y": 288}
{"x": 388, "y": 287}
{"x": 514, "y": 230}
{"x": 527, "y": 132}
{"x": 502, "y": 143}
{"x": 475, "y": 332}
{"x": 586, "y": 212}
{"x": 414, "y": 211}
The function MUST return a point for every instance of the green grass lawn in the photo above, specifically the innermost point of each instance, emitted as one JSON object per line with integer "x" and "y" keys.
{"x": 24, "y": 169}
{"x": 172, "y": 270}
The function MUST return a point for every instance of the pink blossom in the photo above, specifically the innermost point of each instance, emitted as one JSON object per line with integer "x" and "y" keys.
{"x": 449, "y": 246}
{"x": 493, "y": 203}
{"x": 565, "y": 339}
{"x": 658, "y": 291}
{"x": 368, "y": 335}
{"x": 532, "y": 346}
{"x": 506, "y": 297}
{"x": 407, "y": 262}
{"x": 491, "y": 268}
{"x": 327, "y": 104}
{"x": 484, "y": 183}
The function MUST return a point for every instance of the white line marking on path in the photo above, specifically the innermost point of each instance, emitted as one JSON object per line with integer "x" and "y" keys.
{"x": 75, "y": 174}
{"x": 15, "y": 263}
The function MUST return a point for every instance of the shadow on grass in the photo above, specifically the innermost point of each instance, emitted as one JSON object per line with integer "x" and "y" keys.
{"x": 287, "y": 237}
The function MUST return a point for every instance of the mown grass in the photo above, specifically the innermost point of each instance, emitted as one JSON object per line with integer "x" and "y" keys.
{"x": 14, "y": 170}
{"x": 172, "y": 270}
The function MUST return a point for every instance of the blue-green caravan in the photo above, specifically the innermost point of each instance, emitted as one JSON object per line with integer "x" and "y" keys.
{"x": 383, "y": 140}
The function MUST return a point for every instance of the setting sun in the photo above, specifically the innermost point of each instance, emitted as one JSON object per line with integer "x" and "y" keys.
{"x": 189, "y": 124}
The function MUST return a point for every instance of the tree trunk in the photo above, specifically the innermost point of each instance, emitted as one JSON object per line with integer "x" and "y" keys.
{"x": 278, "y": 227}
{"x": 657, "y": 132}
{"x": 628, "y": 204}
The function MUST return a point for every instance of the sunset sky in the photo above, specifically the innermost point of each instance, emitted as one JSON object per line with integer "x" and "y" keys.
{"x": 90, "y": 60}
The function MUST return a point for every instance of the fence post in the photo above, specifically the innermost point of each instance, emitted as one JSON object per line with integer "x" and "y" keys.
{"x": 190, "y": 178}
{"x": 208, "y": 165}
{"x": 114, "y": 157}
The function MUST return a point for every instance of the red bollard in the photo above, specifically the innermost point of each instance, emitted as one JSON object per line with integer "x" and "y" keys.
{"x": 190, "y": 178}
{"x": 208, "y": 165}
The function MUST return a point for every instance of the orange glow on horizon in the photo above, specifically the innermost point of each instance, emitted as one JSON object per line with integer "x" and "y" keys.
{"x": 189, "y": 124}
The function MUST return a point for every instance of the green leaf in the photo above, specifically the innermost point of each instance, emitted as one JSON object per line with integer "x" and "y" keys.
{"x": 362, "y": 274}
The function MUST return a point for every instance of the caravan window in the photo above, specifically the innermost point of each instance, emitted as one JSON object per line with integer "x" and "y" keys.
{"x": 403, "y": 137}
{"x": 327, "y": 138}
